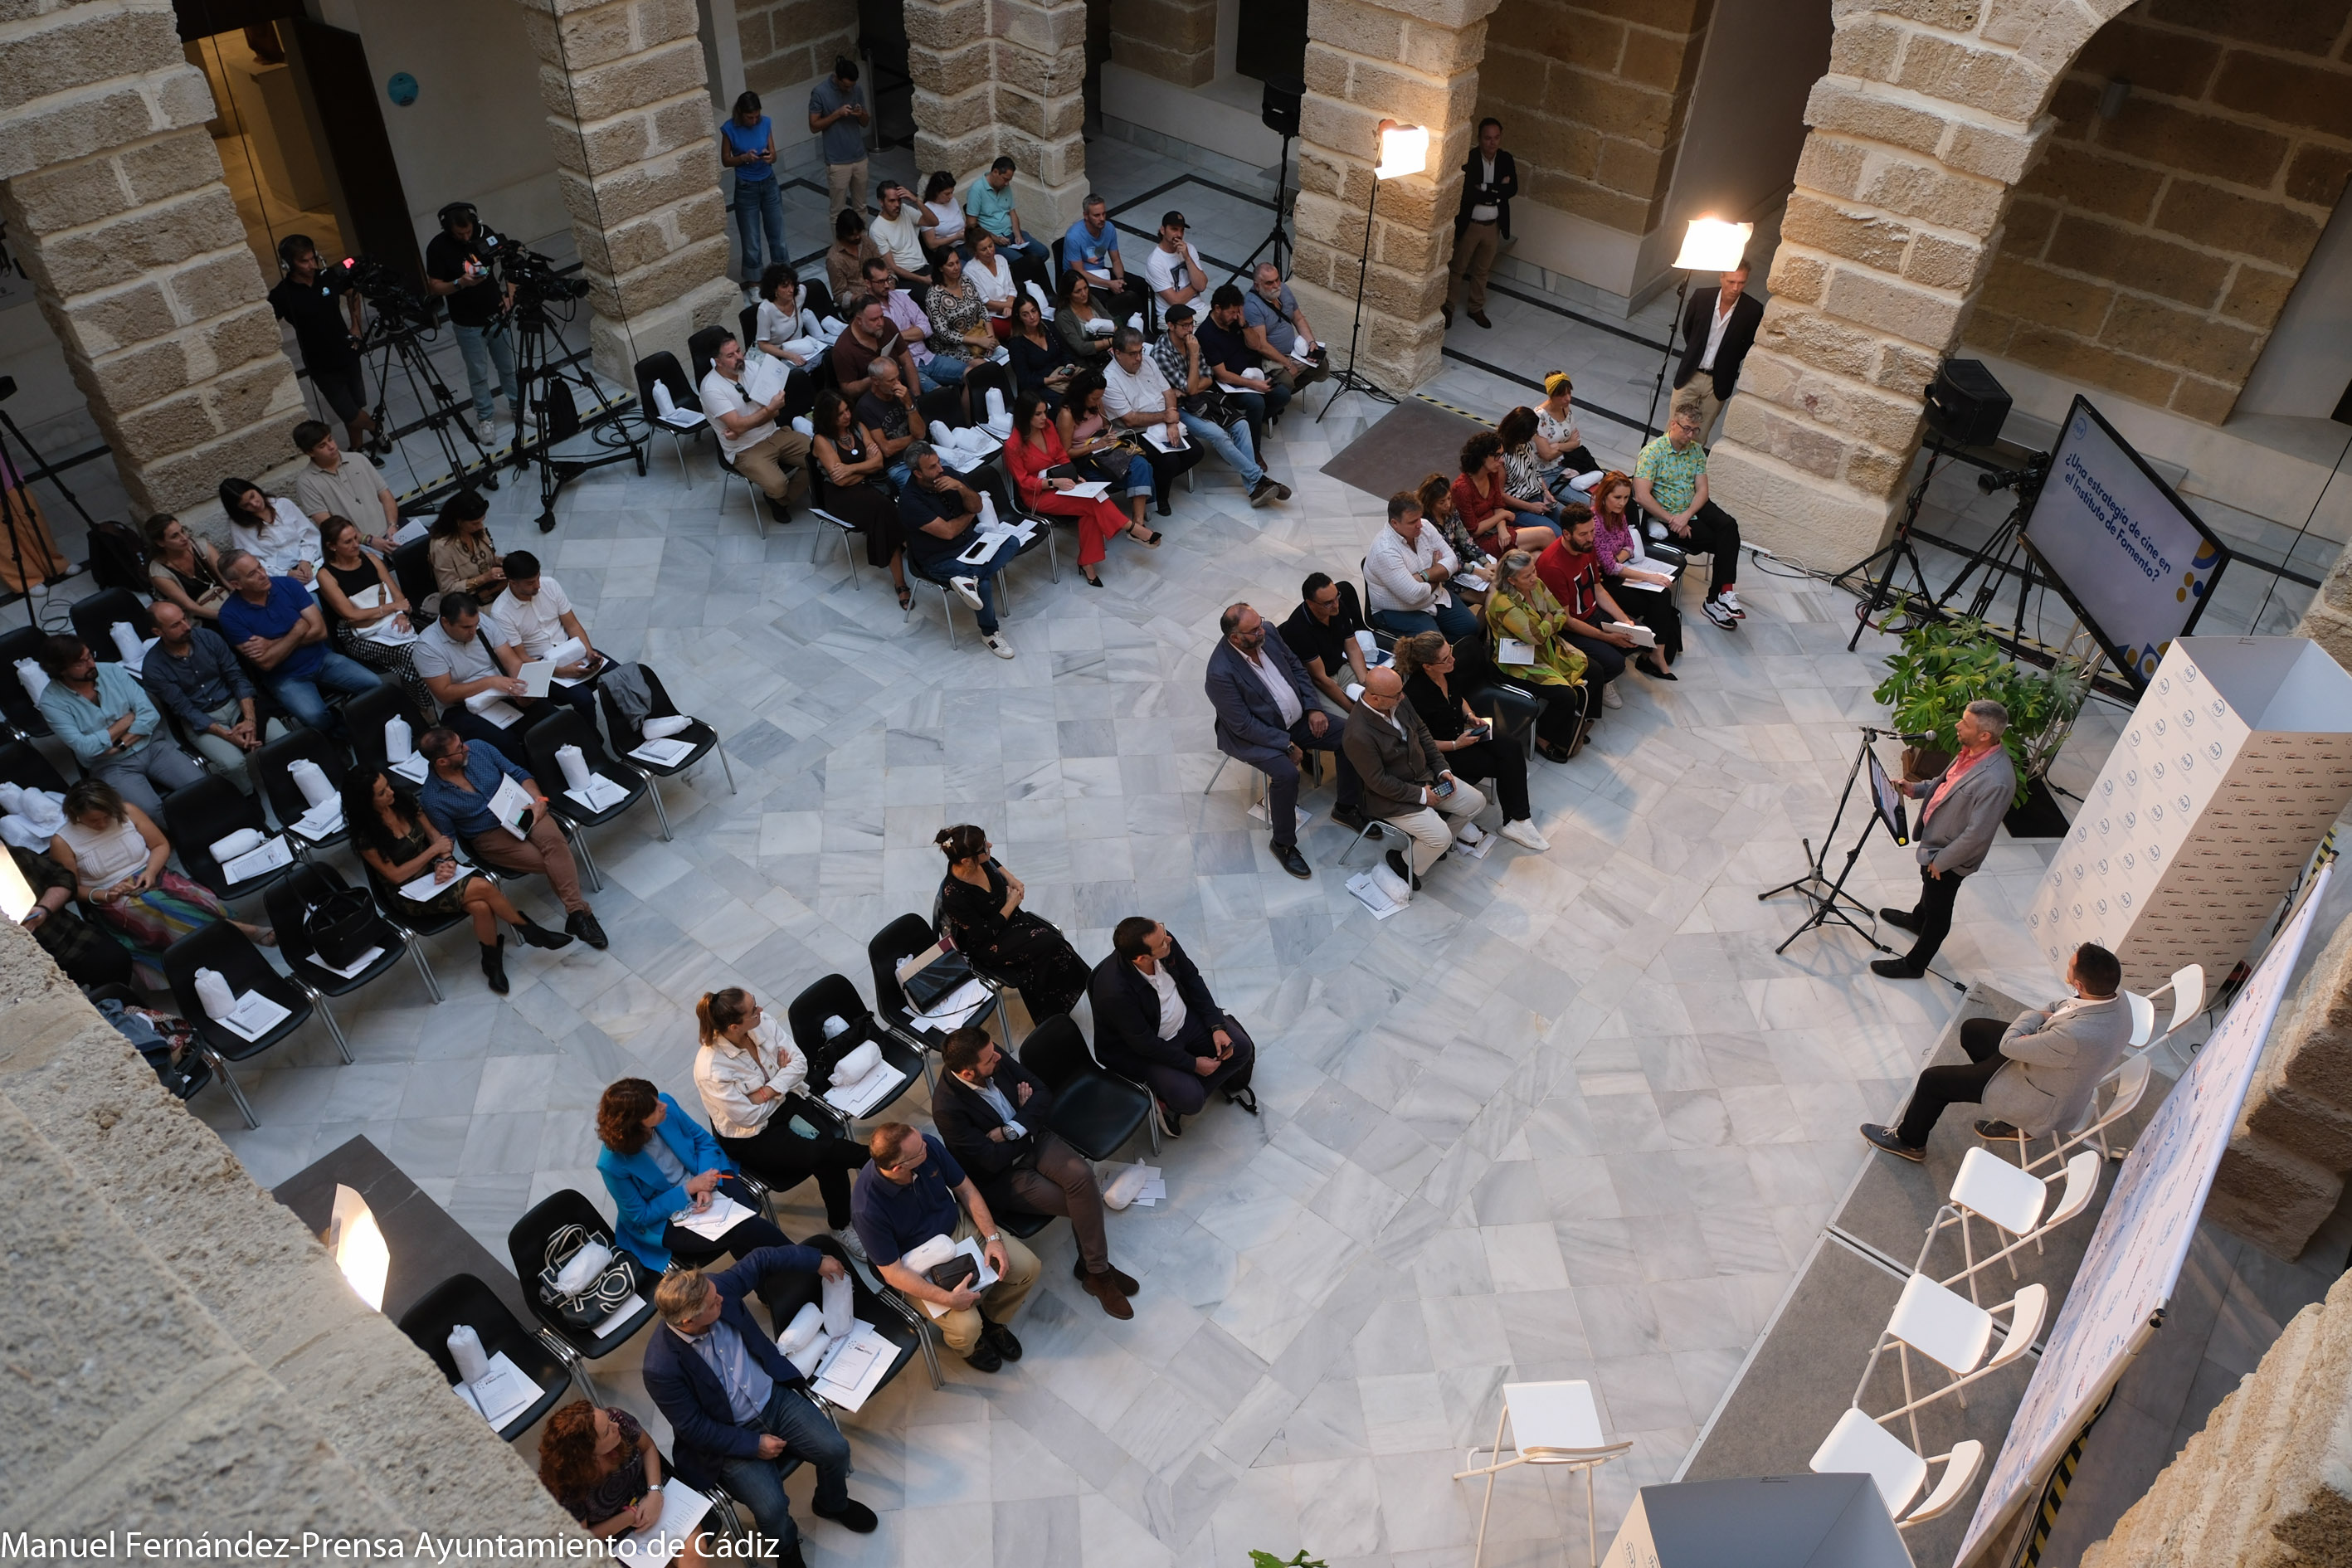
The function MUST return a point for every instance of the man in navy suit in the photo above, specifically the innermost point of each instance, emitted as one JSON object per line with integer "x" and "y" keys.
{"x": 734, "y": 1403}
{"x": 1270, "y": 717}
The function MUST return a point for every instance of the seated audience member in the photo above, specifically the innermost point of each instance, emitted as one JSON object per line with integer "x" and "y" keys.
{"x": 456, "y": 798}
{"x": 854, "y": 485}
{"x": 193, "y": 674}
{"x": 1223, "y": 424}
{"x": 1670, "y": 485}
{"x": 737, "y": 1407}
{"x": 1033, "y": 455}
{"x": 1406, "y": 571}
{"x": 892, "y": 421}
{"x": 1559, "y": 442}
{"x": 1104, "y": 449}
{"x": 534, "y": 617}
{"x": 1490, "y": 513}
{"x": 272, "y": 527}
{"x": 398, "y": 844}
{"x": 747, "y": 1069}
{"x": 896, "y": 230}
{"x": 771, "y": 456}
{"x": 943, "y": 218}
{"x": 88, "y": 956}
{"x": 602, "y": 1467}
{"x": 1322, "y": 633}
{"x": 118, "y": 858}
{"x": 1084, "y": 319}
{"x": 1226, "y": 351}
{"x": 1466, "y": 743}
{"x": 464, "y": 558}
{"x": 989, "y": 201}
{"x": 1041, "y": 360}
{"x": 961, "y": 336}
{"x": 980, "y": 912}
{"x": 913, "y": 325}
{"x": 907, "y": 1195}
{"x": 1524, "y": 490}
{"x": 1173, "y": 267}
{"x": 993, "y": 1115}
{"x": 938, "y": 513}
{"x": 454, "y": 659}
{"x": 1406, "y": 784}
{"x": 1091, "y": 249}
{"x": 1521, "y": 609}
{"x": 1274, "y": 325}
{"x": 182, "y": 569}
{"x": 1572, "y": 572}
{"x": 279, "y": 629}
{"x": 103, "y": 715}
{"x": 787, "y": 328}
{"x": 348, "y": 573}
{"x": 343, "y": 484}
{"x": 868, "y": 337}
{"x": 1156, "y": 1023}
{"x": 1268, "y": 719}
{"x": 1645, "y": 584}
{"x": 1436, "y": 494}
{"x": 845, "y": 258}
{"x": 2035, "y": 1075}
{"x": 991, "y": 276}
{"x": 660, "y": 1165}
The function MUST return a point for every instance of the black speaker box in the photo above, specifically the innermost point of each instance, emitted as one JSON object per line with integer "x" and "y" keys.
{"x": 1966, "y": 404}
{"x": 1279, "y": 107}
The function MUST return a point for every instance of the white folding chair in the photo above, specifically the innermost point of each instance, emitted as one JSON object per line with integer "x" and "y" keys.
{"x": 2188, "y": 988}
{"x": 2010, "y": 1200}
{"x": 1957, "y": 1334}
{"x": 1552, "y": 1424}
{"x": 2121, "y": 1091}
{"x": 1859, "y": 1446}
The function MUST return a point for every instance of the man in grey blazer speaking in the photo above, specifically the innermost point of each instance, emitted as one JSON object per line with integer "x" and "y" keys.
{"x": 1965, "y": 804}
{"x": 2036, "y": 1074}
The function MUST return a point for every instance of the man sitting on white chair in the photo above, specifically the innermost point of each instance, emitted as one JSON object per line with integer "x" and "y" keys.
{"x": 1397, "y": 758}
{"x": 2036, "y": 1076}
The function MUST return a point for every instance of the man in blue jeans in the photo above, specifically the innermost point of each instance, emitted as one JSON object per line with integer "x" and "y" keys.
{"x": 280, "y": 630}
{"x": 1186, "y": 370}
{"x": 735, "y": 1403}
{"x": 457, "y": 267}
{"x": 939, "y": 513}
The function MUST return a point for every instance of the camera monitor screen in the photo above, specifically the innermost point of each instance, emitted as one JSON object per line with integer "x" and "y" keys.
{"x": 1886, "y": 799}
{"x": 2131, "y": 558}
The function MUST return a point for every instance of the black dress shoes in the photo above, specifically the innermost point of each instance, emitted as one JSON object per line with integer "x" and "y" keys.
{"x": 1886, "y": 1138}
{"x": 583, "y": 924}
{"x": 1403, "y": 869}
{"x": 1292, "y": 860}
{"x": 852, "y": 1515}
{"x": 1895, "y": 969}
{"x": 1901, "y": 920}
{"x": 1353, "y": 816}
{"x": 1990, "y": 1129}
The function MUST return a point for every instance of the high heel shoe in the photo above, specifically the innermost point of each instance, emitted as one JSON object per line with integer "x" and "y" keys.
{"x": 1092, "y": 581}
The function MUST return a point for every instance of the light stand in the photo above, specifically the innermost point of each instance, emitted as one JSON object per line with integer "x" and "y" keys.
{"x": 1279, "y": 111}
{"x": 1898, "y": 553}
{"x": 1404, "y": 150}
{"x": 1709, "y": 244}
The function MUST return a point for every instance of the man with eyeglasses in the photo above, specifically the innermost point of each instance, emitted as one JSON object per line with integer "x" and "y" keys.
{"x": 906, "y": 1196}
{"x": 1670, "y": 484}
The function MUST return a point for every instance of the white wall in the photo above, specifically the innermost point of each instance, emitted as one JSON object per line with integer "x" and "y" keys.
{"x": 2308, "y": 361}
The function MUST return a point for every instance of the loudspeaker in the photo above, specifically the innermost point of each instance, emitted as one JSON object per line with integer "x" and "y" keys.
{"x": 1966, "y": 404}
{"x": 1279, "y": 109}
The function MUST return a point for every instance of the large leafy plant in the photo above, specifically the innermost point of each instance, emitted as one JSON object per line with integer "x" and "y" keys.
{"x": 1943, "y": 666}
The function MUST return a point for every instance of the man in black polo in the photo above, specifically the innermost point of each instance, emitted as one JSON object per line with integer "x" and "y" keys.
{"x": 324, "y": 311}
{"x": 1322, "y": 633}
{"x": 458, "y": 269}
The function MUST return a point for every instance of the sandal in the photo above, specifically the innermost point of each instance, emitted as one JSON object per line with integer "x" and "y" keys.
{"x": 906, "y": 595}
{"x": 1149, "y": 538}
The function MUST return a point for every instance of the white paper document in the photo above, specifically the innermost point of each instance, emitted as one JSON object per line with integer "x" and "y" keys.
{"x": 428, "y": 886}
{"x": 321, "y": 821}
{"x": 255, "y": 1016}
{"x": 855, "y": 1367}
{"x": 494, "y": 707}
{"x": 715, "y": 1221}
{"x": 354, "y": 967}
{"x": 600, "y": 795}
{"x": 1368, "y": 892}
{"x": 503, "y": 1393}
{"x": 535, "y": 676}
{"x": 869, "y": 1091}
{"x": 1643, "y": 635}
{"x": 1510, "y": 650}
{"x": 511, "y": 804}
{"x": 682, "y": 1512}
{"x": 255, "y": 862}
{"x": 988, "y": 537}
{"x": 1157, "y": 436}
{"x": 621, "y": 1314}
{"x": 664, "y": 754}
{"x": 953, "y": 1009}
{"x": 412, "y": 767}
{"x": 1470, "y": 583}
{"x": 1093, "y": 489}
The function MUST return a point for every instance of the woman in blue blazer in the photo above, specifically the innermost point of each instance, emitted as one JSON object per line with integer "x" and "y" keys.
{"x": 659, "y": 1162}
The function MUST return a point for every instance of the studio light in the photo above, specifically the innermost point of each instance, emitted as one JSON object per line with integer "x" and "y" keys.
{"x": 1404, "y": 150}
{"x": 358, "y": 1246}
{"x": 1709, "y": 244}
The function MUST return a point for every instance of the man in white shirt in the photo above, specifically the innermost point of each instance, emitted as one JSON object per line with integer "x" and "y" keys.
{"x": 455, "y": 662}
{"x": 343, "y": 484}
{"x": 1173, "y": 267}
{"x": 772, "y": 457}
{"x": 534, "y": 617}
{"x": 1405, "y": 573}
{"x": 898, "y": 232}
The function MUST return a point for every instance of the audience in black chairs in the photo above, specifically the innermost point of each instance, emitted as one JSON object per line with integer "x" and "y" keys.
{"x": 1407, "y": 784}
{"x": 88, "y": 955}
{"x": 939, "y": 512}
{"x": 1155, "y": 1022}
{"x": 888, "y": 417}
{"x": 1041, "y": 360}
{"x": 454, "y": 657}
{"x": 1571, "y": 570}
{"x": 1466, "y": 741}
{"x": 531, "y": 619}
{"x": 1269, "y": 717}
{"x": 980, "y": 910}
{"x": 275, "y": 625}
{"x": 464, "y": 777}
{"x": 1100, "y": 449}
{"x": 383, "y": 635}
{"x": 191, "y": 672}
{"x": 1646, "y": 579}
{"x": 119, "y": 860}
{"x": 99, "y": 710}
{"x": 602, "y": 1467}
{"x": 748, "y": 1071}
{"x": 994, "y": 1116}
{"x": 1322, "y": 633}
{"x": 660, "y": 1166}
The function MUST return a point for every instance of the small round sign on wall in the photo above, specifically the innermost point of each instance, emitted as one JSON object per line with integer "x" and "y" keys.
{"x": 401, "y": 89}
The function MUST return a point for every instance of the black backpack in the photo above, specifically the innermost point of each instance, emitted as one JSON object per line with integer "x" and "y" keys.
{"x": 118, "y": 557}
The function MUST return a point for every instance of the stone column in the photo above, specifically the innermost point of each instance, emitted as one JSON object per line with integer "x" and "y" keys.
{"x": 1175, "y": 40}
{"x": 636, "y": 150}
{"x": 1366, "y": 63}
{"x": 1932, "y": 109}
{"x": 115, "y": 205}
{"x": 1003, "y": 78}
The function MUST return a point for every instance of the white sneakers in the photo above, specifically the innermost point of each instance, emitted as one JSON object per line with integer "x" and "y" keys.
{"x": 1729, "y": 600}
{"x": 1468, "y": 833}
{"x": 1523, "y": 833}
{"x": 847, "y": 1237}
{"x": 967, "y": 589}
{"x": 1609, "y": 697}
{"x": 997, "y": 644}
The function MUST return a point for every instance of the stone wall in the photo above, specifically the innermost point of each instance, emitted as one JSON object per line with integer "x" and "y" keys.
{"x": 114, "y": 202}
{"x": 1003, "y": 79}
{"x": 188, "y": 1357}
{"x": 2268, "y": 1482}
{"x": 1593, "y": 97}
{"x": 788, "y": 42}
{"x": 2150, "y": 253}
{"x": 1175, "y": 40}
{"x": 636, "y": 149}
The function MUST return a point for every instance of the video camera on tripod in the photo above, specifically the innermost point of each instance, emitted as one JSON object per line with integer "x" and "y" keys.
{"x": 2026, "y": 481}
{"x": 536, "y": 278}
{"x": 390, "y": 292}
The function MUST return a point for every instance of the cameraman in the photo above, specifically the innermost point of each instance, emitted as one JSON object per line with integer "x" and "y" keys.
{"x": 327, "y": 332}
{"x": 457, "y": 267}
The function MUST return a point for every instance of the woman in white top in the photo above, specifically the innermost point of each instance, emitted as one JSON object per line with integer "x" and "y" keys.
{"x": 991, "y": 276}
{"x": 273, "y": 529}
{"x": 787, "y": 328}
{"x": 116, "y": 855}
{"x": 745, "y": 1070}
{"x": 941, "y": 220}
{"x": 1559, "y": 442}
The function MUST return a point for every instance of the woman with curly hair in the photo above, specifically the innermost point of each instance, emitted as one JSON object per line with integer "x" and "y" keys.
{"x": 1522, "y": 611}
{"x": 603, "y": 1469}
{"x": 660, "y": 1167}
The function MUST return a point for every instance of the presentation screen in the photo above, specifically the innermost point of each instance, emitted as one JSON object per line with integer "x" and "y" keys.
{"x": 2130, "y": 558}
{"x": 1886, "y": 799}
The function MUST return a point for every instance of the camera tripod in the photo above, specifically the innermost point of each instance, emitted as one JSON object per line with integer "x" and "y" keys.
{"x": 554, "y": 415}
{"x": 1998, "y": 554}
{"x": 399, "y": 344}
{"x": 1897, "y": 553}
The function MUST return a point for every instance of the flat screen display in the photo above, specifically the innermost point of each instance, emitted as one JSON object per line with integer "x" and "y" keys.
{"x": 1886, "y": 798}
{"x": 2123, "y": 549}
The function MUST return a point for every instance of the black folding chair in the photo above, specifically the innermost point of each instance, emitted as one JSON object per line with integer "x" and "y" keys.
{"x": 94, "y": 618}
{"x": 662, "y": 368}
{"x": 527, "y": 1245}
{"x": 289, "y": 904}
{"x": 629, "y": 735}
{"x": 221, "y": 946}
{"x": 462, "y": 1298}
{"x": 565, "y": 728}
{"x": 1094, "y": 1112}
{"x": 271, "y": 766}
{"x": 365, "y": 716}
{"x": 23, "y": 765}
{"x": 201, "y": 816}
{"x": 876, "y": 1308}
{"x": 834, "y": 996}
{"x": 412, "y": 567}
{"x": 893, "y": 945}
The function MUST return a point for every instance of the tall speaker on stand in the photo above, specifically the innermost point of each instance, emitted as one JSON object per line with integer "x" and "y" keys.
{"x": 1279, "y": 111}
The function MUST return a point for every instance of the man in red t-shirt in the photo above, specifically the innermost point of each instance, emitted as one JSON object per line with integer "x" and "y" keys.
{"x": 1572, "y": 572}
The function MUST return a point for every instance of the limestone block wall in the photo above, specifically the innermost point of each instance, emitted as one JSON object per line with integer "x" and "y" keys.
{"x": 188, "y": 1358}
{"x": 1593, "y": 97}
{"x": 788, "y": 42}
{"x": 1003, "y": 79}
{"x": 636, "y": 152}
{"x": 1175, "y": 40}
{"x": 2150, "y": 253}
{"x": 115, "y": 204}
{"x": 1417, "y": 63}
{"x": 2268, "y": 1482}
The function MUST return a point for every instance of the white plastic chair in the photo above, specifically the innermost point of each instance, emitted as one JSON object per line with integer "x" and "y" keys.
{"x": 2188, "y": 988}
{"x": 2012, "y": 1201}
{"x": 2121, "y": 1091}
{"x": 1958, "y": 1334}
{"x": 1857, "y": 1445}
{"x": 1552, "y": 1424}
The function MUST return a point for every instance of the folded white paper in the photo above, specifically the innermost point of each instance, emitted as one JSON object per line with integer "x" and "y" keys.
{"x": 503, "y": 1394}
{"x": 1157, "y": 436}
{"x": 855, "y": 1367}
{"x": 509, "y": 803}
{"x": 321, "y": 821}
{"x": 414, "y": 529}
{"x": 714, "y": 1221}
{"x": 1369, "y": 894}
{"x": 494, "y": 707}
{"x": 253, "y": 863}
{"x": 428, "y": 886}
{"x": 411, "y": 768}
{"x": 1643, "y": 635}
{"x": 1510, "y": 650}
{"x": 600, "y": 793}
{"x": 255, "y": 1016}
{"x": 535, "y": 675}
{"x": 1093, "y": 489}
{"x": 664, "y": 754}
{"x": 348, "y": 970}
{"x": 682, "y": 1512}
{"x": 620, "y": 1315}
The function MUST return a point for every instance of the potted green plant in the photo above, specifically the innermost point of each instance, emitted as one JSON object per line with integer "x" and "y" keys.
{"x": 1942, "y": 666}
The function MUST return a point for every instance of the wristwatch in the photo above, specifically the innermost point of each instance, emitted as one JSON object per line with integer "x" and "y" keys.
{"x": 990, "y": 1237}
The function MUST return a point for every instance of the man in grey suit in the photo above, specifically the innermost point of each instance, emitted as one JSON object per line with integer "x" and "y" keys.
{"x": 2035, "y": 1075}
{"x": 1965, "y": 804}
{"x": 1268, "y": 716}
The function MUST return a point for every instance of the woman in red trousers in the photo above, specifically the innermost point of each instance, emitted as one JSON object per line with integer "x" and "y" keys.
{"x": 1041, "y": 466}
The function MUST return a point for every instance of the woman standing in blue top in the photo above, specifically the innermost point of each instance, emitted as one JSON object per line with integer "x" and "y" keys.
{"x": 661, "y": 1165}
{"x": 747, "y": 145}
